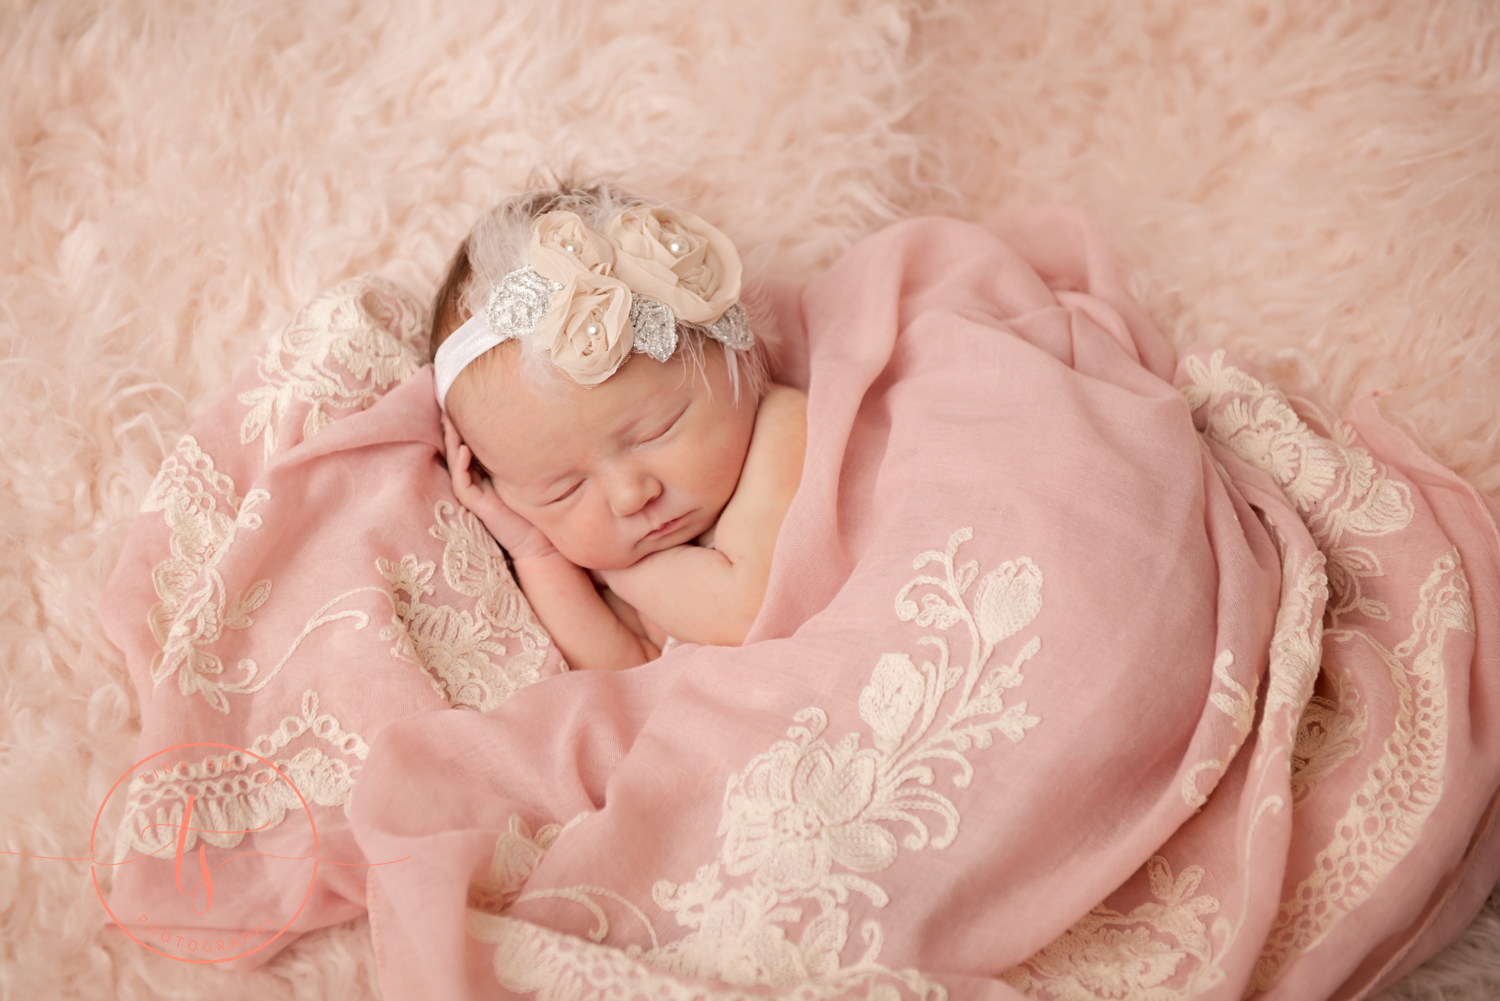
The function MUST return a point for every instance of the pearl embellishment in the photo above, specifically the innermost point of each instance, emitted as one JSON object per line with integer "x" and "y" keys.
{"x": 573, "y": 247}
{"x": 594, "y": 330}
{"x": 677, "y": 246}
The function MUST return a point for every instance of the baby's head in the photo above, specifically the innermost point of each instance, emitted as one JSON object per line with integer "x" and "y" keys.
{"x": 600, "y": 368}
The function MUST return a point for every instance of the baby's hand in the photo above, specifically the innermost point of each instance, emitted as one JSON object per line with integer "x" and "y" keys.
{"x": 630, "y": 578}
{"x": 520, "y": 537}
{"x": 631, "y": 618}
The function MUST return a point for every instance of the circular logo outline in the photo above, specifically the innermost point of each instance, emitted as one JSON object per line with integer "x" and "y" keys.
{"x": 93, "y": 849}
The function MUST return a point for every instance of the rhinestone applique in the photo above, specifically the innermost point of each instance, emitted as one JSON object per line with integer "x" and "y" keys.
{"x": 655, "y": 327}
{"x": 733, "y": 329}
{"x": 518, "y": 303}
{"x": 521, "y": 299}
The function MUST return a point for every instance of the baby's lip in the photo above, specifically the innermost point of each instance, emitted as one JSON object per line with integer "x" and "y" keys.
{"x": 667, "y": 527}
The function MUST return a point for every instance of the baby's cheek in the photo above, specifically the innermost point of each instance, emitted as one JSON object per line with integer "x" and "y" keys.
{"x": 587, "y": 543}
{"x": 726, "y": 471}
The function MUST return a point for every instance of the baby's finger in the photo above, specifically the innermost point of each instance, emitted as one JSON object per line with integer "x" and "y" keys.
{"x": 463, "y": 475}
{"x": 453, "y": 448}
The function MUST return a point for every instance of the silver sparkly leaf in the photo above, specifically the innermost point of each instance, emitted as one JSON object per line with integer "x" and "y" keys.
{"x": 733, "y": 329}
{"x": 655, "y": 327}
{"x": 518, "y": 303}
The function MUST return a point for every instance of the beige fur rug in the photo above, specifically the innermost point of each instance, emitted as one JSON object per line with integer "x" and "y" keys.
{"x": 1314, "y": 183}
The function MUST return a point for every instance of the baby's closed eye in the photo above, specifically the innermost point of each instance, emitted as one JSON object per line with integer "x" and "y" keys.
{"x": 661, "y": 430}
{"x": 560, "y": 497}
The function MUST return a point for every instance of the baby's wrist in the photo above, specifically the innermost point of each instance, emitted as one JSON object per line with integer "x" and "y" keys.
{"x": 538, "y": 557}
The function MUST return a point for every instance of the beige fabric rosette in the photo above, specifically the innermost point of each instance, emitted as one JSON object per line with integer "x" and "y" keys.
{"x": 587, "y": 327}
{"x": 676, "y": 258}
{"x": 673, "y": 257}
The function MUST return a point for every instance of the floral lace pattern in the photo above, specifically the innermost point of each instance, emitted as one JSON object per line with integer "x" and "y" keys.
{"x": 1386, "y": 813}
{"x": 1330, "y": 732}
{"x": 1338, "y": 487}
{"x": 1160, "y": 950}
{"x": 458, "y": 649}
{"x": 1239, "y": 705}
{"x": 234, "y": 793}
{"x": 1131, "y": 955}
{"x": 340, "y": 354}
{"x": 807, "y": 823}
{"x": 194, "y": 608}
{"x": 1342, "y": 492}
{"x": 366, "y": 325}
{"x": 556, "y": 967}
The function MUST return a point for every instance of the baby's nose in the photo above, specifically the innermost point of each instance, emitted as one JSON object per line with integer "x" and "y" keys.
{"x": 632, "y": 491}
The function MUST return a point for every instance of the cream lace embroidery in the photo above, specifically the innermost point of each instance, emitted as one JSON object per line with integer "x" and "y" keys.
{"x": 517, "y": 854}
{"x": 366, "y": 325}
{"x": 1297, "y": 642}
{"x": 374, "y": 332}
{"x": 1331, "y": 732}
{"x": 804, "y": 825}
{"x": 1160, "y": 951}
{"x": 1238, "y": 703}
{"x": 234, "y": 793}
{"x": 1401, "y": 788}
{"x": 1132, "y": 955}
{"x": 1337, "y": 487}
{"x": 1341, "y": 491}
{"x": 194, "y": 608}
{"x": 458, "y": 649}
{"x": 557, "y": 967}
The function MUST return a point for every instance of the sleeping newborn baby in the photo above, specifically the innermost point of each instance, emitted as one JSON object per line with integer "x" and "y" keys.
{"x": 607, "y": 415}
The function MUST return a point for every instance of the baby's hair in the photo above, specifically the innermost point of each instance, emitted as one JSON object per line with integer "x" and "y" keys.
{"x": 500, "y": 242}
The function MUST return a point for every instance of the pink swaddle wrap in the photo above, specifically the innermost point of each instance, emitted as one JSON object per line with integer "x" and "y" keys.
{"x": 1078, "y": 676}
{"x": 301, "y": 575}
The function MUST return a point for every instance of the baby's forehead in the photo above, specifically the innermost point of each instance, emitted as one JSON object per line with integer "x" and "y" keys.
{"x": 512, "y": 411}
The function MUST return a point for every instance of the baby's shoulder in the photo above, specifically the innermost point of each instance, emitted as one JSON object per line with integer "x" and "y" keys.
{"x": 774, "y": 461}
{"x": 769, "y": 477}
{"x": 782, "y": 411}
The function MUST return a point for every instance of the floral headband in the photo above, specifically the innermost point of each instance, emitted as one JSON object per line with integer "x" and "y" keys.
{"x": 589, "y": 299}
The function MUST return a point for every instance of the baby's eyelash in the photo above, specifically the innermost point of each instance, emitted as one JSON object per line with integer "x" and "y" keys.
{"x": 566, "y": 493}
{"x": 669, "y": 427}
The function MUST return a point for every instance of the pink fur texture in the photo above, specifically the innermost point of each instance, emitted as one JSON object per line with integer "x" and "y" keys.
{"x": 1313, "y": 184}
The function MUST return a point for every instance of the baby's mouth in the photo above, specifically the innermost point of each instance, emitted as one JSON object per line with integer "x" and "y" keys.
{"x": 666, "y": 528}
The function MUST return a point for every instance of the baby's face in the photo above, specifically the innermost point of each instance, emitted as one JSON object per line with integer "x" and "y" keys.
{"x": 642, "y": 462}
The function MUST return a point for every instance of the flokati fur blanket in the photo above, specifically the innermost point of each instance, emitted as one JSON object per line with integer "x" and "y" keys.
{"x": 1079, "y": 671}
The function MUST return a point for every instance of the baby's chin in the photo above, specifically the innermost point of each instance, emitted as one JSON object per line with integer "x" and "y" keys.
{"x": 615, "y": 559}
{"x": 591, "y": 559}
{"x": 618, "y": 561}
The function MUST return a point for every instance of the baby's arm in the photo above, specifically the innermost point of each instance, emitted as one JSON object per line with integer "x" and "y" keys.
{"x": 587, "y": 633}
{"x": 712, "y": 596}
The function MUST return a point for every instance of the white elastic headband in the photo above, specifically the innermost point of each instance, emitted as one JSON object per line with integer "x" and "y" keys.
{"x": 465, "y": 344}
{"x": 520, "y": 300}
